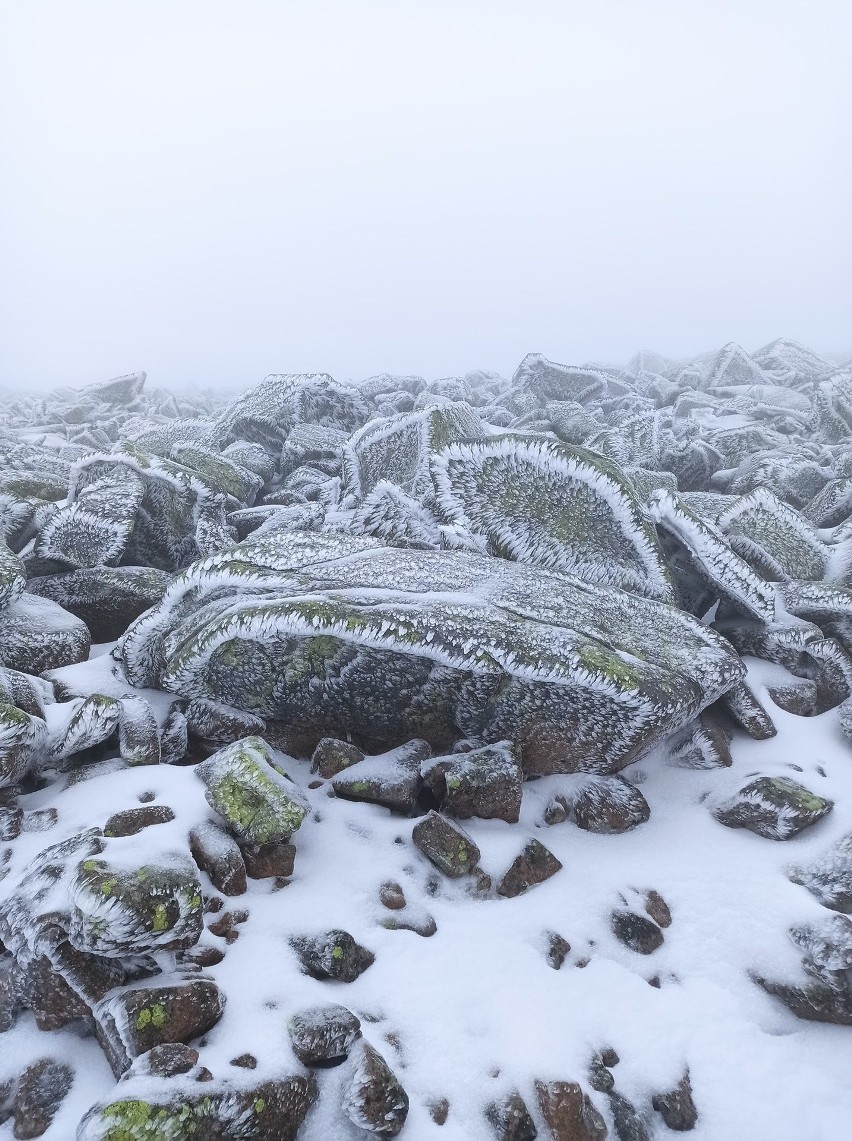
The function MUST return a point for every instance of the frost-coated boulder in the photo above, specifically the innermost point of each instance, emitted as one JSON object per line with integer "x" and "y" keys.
{"x": 328, "y": 632}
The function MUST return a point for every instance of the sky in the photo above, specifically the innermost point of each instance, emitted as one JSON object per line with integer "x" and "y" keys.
{"x": 212, "y": 190}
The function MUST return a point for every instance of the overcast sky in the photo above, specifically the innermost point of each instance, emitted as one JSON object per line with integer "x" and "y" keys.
{"x": 218, "y": 189}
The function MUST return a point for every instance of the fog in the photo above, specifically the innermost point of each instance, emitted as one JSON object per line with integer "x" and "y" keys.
{"x": 215, "y": 190}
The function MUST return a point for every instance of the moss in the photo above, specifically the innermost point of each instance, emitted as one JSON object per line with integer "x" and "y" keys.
{"x": 155, "y": 1015}
{"x": 259, "y": 1105}
{"x": 160, "y": 919}
{"x": 108, "y": 885}
{"x": 607, "y": 662}
{"x": 337, "y": 953}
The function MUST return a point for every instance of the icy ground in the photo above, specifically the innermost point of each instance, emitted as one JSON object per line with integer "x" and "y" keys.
{"x": 475, "y": 1010}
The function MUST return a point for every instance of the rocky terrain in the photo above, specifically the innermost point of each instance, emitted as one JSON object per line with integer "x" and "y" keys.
{"x": 468, "y": 758}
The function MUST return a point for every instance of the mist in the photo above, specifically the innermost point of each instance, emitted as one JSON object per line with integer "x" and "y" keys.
{"x": 213, "y": 191}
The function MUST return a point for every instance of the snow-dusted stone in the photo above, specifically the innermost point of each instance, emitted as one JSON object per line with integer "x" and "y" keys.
{"x": 134, "y": 820}
{"x": 392, "y": 779}
{"x": 37, "y": 635}
{"x": 446, "y": 846}
{"x": 332, "y": 756}
{"x": 218, "y": 854}
{"x": 532, "y": 866}
{"x": 569, "y": 1113}
{"x": 29, "y": 693}
{"x": 219, "y": 724}
{"x": 22, "y": 742}
{"x": 829, "y": 876}
{"x": 332, "y": 632}
{"x": 264, "y": 861}
{"x": 398, "y": 519}
{"x": 677, "y": 1107}
{"x": 138, "y": 733}
{"x": 373, "y": 1098}
{"x": 609, "y": 805}
{"x": 629, "y": 1123}
{"x": 130, "y": 909}
{"x": 222, "y": 473}
{"x": 705, "y": 744}
{"x": 332, "y": 955}
{"x": 799, "y": 697}
{"x": 174, "y": 1111}
{"x": 486, "y": 783}
{"x": 259, "y": 803}
{"x": 774, "y": 807}
{"x": 94, "y": 527}
{"x": 635, "y": 931}
{"x": 174, "y": 736}
{"x": 546, "y": 380}
{"x": 510, "y": 1119}
{"x": 531, "y": 499}
{"x": 827, "y": 995}
{"x": 397, "y": 450}
{"x": 12, "y": 576}
{"x": 87, "y": 721}
{"x": 323, "y": 1035}
{"x": 742, "y": 704}
{"x": 107, "y": 599}
{"x": 267, "y": 413}
{"x": 774, "y": 538}
{"x": 167, "y": 1008}
{"x": 60, "y": 984}
{"x": 41, "y": 1089}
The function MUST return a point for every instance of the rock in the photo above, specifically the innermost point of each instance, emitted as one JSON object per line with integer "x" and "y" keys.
{"x": 658, "y": 909}
{"x": 272, "y": 1109}
{"x": 799, "y": 697}
{"x": 37, "y": 635}
{"x": 533, "y": 866}
{"x": 392, "y": 780}
{"x": 373, "y": 1098}
{"x": 568, "y": 1112}
{"x": 411, "y": 919}
{"x": 218, "y": 724}
{"x": 168, "y": 1060}
{"x": 259, "y": 803}
{"x": 65, "y": 986}
{"x": 600, "y": 1078}
{"x": 446, "y": 846}
{"x": 742, "y": 705}
{"x": 107, "y": 599}
{"x": 137, "y": 1018}
{"x": 323, "y": 1035}
{"x": 510, "y": 1119}
{"x": 22, "y": 739}
{"x": 392, "y": 896}
{"x": 774, "y": 807}
{"x": 636, "y": 932}
{"x": 557, "y": 950}
{"x": 332, "y": 756}
{"x": 829, "y": 876}
{"x": 629, "y": 1125}
{"x": 125, "y": 912}
{"x": 174, "y": 737}
{"x": 677, "y": 1108}
{"x": 609, "y": 805}
{"x": 626, "y": 670}
{"x": 217, "y": 854}
{"x": 133, "y": 820}
{"x": 266, "y": 861}
{"x": 485, "y": 783}
{"x": 138, "y": 734}
{"x": 245, "y": 1062}
{"x": 334, "y": 955}
{"x": 42, "y": 1088}
{"x": 10, "y": 822}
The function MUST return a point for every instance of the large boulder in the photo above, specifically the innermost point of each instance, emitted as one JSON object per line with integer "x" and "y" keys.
{"x": 337, "y": 635}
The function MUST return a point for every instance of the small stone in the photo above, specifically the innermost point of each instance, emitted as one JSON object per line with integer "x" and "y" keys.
{"x": 636, "y": 932}
{"x": 569, "y": 1113}
{"x": 486, "y": 783}
{"x": 225, "y": 927}
{"x": 600, "y": 1078}
{"x": 169, "y": 1059}
{"x": 609, "y": 805}
{"x": 41, "y": 1090}
{"x": 391, "y": 780}
{"x": 217, "y": 724}
{"x": 658, "y": 909}
{"x": 439, "y": 1110}
{"x": 245, "y": 1061}
{"x": 373, "y": 1098}
{"x": 331, "y": 757}
{"x": 533, "y": 866}
{"x": 323, "y": 1035}
{"x": 557, "y": 811}
{"x": 421, "y": 923}
{"x": 133, "y": 820}
{"x": 334, "y": 955}
{"x": 608, "y": 1057}
{"x": 677, "y": 1107}
{"x": 510, "y": 1119}
{"x": 11, "y": 820}
{"x": 829, "y": 876}
{"x": 269, "y": 860}
{"x": 799, "y": 697}
{"x": 203, "y": 956}
{"x": 219, "y": 855}
{"x": 557, "y": 950}
{"x": 774, "y": 807}
{"x": 392, "y": 896}
{"x": 446, "y": 846}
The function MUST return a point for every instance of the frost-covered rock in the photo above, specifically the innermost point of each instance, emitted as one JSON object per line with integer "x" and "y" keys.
{"x": 775, "y": 807}
{"x": 258, "y": 802}
{"x": 107, "y": 599}
{"x": 37, "y": 635}
{"x": 323, "y": 1035}
{"x": 580, "y": 676}
{"x": 373, "y": 1097}
{"x": 485, "y": 782}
